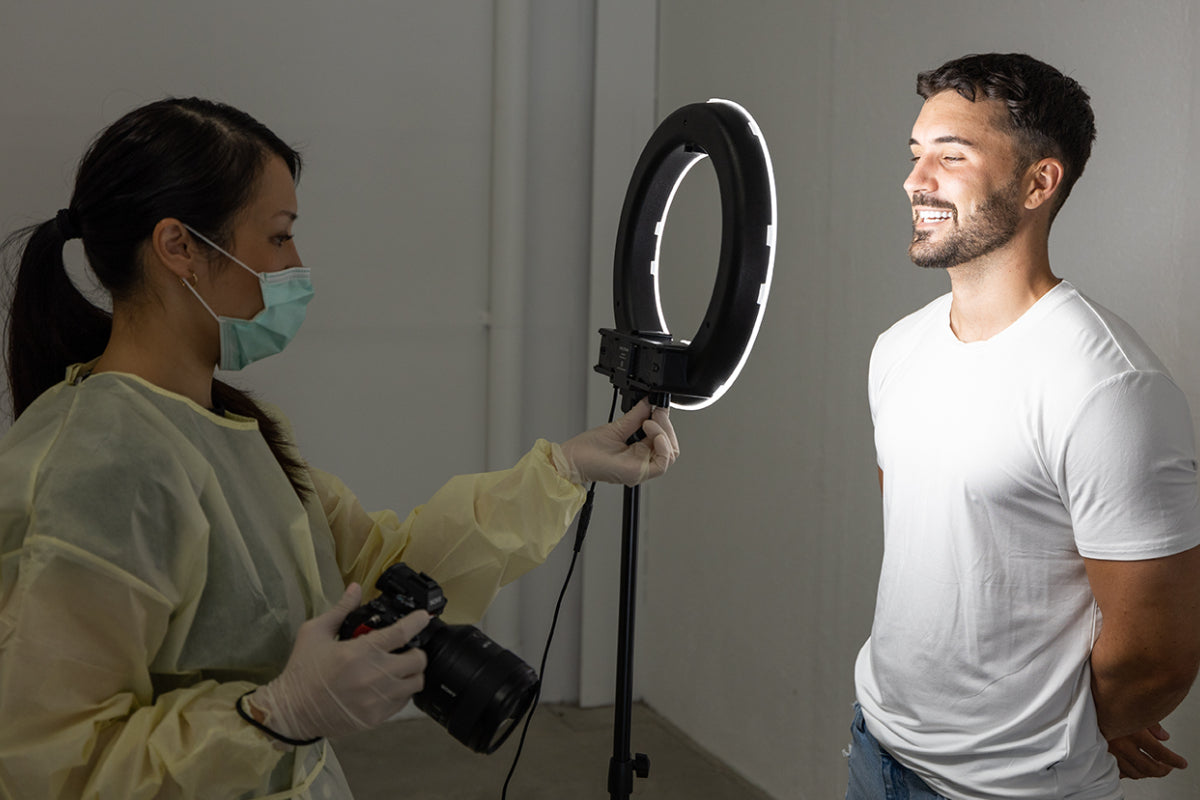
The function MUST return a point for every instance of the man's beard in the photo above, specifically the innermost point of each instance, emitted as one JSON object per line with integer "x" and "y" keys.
{"x": 991, "y": 227}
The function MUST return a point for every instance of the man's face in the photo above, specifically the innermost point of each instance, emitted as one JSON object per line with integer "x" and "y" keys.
{"x": 964, "y": 185}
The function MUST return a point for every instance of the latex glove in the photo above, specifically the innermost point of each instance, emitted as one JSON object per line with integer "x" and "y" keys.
{"x": 331, "y": 687}
{"x": 1142, "y": 754}
{"x": 601, "y": 454}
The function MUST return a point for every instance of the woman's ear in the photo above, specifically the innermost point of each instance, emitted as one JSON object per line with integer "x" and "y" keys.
{"x": 174, "y": 247}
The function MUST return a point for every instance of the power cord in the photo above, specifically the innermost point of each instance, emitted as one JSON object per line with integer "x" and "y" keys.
{"x": 585, "y": 518}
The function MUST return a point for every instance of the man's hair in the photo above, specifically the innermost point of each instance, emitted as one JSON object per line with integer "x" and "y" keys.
{"x": 1049, "y": 114}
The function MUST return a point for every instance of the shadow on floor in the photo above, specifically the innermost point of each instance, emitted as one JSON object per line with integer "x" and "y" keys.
{"x": 566, "y": 756}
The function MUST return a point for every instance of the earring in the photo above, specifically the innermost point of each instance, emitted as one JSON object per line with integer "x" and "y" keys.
{"x": 195, "y": 279}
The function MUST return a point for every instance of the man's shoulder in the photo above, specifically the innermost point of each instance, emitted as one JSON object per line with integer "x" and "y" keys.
{"x": 906, "y": 333}
{"x": 935, "y": 311}
{"x": 1089, "y": 327}
{"x": 937, "y": 308}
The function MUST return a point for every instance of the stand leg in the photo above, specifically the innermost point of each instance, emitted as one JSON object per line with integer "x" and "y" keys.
{"x": 622, "y": 767}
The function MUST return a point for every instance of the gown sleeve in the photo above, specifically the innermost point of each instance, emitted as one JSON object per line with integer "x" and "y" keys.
{"x": 476, "y": 534}
{"x": 78, "y": 713}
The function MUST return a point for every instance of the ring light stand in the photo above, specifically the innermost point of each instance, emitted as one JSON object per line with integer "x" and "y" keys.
{"x": 641, "y": 357}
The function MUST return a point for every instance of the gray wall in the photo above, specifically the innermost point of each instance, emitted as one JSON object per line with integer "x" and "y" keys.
{"x": 764, "y": 543}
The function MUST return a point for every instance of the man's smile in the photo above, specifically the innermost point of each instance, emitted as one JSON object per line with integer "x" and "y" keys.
{"x": 931, "y": 216}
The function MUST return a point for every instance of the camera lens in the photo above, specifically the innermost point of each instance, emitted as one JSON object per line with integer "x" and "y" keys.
{"x": 474, "y": 688}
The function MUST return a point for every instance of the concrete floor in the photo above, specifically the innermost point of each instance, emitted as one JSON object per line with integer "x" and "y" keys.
{"x": 566, "y": 757}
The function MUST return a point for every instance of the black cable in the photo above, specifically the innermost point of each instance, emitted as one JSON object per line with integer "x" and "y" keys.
{"x": 585, "y": 518}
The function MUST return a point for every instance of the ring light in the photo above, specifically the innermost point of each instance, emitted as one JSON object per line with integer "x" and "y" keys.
{"x": 640, "y": 356}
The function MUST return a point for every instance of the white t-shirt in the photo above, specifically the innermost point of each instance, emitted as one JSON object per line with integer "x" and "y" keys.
{"x": 1004, "y": 461}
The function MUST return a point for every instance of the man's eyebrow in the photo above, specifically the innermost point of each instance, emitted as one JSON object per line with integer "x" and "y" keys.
{"x": 290, "y": 214}
{"x": 945, "y": 140}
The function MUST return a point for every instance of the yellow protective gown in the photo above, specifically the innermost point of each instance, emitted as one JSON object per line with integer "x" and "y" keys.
{"x": 155, "y": 564}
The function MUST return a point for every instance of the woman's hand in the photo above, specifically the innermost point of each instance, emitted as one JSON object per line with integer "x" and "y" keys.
{"x": 602, "y": 454}
{"x": 331, "y": 687}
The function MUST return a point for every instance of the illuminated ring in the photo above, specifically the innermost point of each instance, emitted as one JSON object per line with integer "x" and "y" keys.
{"x": 726, "y": 133}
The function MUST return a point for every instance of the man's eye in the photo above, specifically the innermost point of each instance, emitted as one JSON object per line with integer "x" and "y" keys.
{"x": 952, "y": 158}
{"x": 282, "y": 239}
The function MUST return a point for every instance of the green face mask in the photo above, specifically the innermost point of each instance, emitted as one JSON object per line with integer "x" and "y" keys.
{"x": 285, "y": 295}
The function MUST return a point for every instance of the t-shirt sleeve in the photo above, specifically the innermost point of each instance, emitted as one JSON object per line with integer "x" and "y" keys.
{"x": 1129, "y": 470}
{"x": 873, "y": 378}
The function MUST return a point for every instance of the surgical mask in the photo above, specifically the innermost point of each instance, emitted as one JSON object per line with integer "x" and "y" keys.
{"x": 285, "y": 295}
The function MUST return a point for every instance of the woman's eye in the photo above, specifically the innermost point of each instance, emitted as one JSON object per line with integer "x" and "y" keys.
{"x": 283, "y": 239}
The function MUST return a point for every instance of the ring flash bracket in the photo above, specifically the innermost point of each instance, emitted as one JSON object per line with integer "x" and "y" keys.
{"x": 640, "y": 355}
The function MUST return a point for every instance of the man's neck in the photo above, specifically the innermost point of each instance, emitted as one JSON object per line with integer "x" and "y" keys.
{"x": 991, "y": 293}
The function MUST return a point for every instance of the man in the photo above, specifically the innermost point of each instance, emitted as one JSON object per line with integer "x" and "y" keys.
{"x": 1038, "y": 611}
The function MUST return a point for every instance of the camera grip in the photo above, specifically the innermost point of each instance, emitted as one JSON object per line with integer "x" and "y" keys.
{"x": 365, "y": 619}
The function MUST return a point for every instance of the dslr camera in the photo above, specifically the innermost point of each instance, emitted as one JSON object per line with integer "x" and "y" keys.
{"x": 474, "y": 688}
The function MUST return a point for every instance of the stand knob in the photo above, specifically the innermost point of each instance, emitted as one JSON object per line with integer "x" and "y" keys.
{"x": 641, "y": 765}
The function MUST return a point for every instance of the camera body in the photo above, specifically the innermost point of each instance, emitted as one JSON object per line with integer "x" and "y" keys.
{"x": 403, "y": 591}
{"x": 474, "y": 688}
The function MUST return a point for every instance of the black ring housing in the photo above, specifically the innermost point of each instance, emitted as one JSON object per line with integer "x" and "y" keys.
{"x": 639, "y": 355}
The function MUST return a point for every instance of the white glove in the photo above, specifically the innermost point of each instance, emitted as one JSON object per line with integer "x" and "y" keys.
{"x": 601, "y": 454}
{"x": 331, "y": 687}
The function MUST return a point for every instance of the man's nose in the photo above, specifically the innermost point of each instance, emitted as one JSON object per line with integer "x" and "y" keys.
{"x": 920, "y": 179}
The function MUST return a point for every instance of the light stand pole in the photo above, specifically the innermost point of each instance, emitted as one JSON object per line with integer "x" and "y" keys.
{"x": 623, "y": 766}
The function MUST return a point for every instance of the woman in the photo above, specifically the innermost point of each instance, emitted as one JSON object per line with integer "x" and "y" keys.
{"x": 172, "y": 572}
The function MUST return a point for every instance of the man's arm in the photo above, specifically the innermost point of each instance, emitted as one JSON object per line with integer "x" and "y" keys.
{"x": 1148, "y": 651}
{"x": 1147, "y": 654}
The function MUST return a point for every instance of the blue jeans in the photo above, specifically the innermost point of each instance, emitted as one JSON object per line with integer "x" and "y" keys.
{"x": 875, "y": 775}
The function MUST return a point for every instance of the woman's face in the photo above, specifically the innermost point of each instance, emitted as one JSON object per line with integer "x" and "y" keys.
{"x": 262, "y": 240}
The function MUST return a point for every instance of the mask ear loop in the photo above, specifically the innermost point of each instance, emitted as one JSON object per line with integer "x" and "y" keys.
{"x": 221, "y": 250}
{"x": 196, "y": 280}
{"x": 191, "y": 288}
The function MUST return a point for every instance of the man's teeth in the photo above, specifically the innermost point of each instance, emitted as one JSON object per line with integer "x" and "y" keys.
{"x": 933, "y": 216}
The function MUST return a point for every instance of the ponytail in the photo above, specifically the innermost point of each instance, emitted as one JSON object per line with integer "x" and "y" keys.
{"x": 51, "y": 325}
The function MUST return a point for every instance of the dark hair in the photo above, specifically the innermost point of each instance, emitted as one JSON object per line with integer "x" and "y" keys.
{"x": 1049, "y": 113}
{"x": 193, "y": 159}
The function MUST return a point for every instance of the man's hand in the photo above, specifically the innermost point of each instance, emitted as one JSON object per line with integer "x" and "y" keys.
{"x": 1143, "y": 754}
